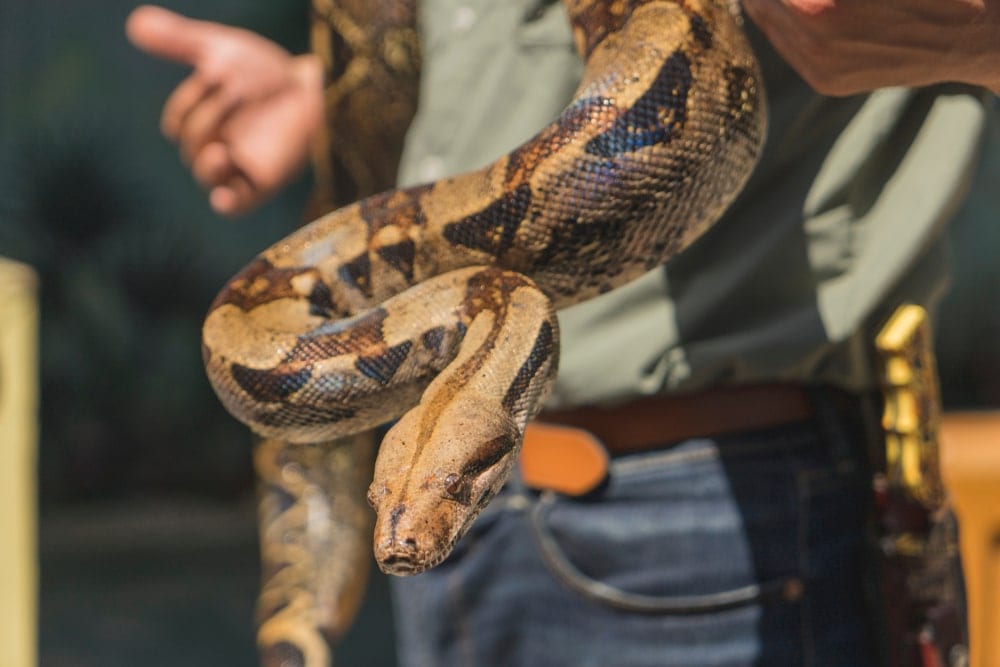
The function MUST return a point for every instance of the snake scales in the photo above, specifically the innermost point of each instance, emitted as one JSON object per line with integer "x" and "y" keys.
{"x": 435, "y": 304}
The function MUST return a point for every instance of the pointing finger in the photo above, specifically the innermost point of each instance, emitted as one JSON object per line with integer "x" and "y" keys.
{"x": 163, "y": 33}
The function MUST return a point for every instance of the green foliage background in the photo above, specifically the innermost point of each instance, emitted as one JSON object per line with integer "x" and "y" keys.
{"x": 128, "y": 252}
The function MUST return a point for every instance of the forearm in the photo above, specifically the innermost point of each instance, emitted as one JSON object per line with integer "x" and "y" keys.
{"x": 842, "y": 47}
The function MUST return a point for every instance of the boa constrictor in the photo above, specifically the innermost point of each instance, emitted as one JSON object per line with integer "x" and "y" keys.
{"x": 435, "y": 304}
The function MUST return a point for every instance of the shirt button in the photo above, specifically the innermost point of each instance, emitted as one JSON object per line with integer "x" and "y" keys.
{"x": 463, "y": 18}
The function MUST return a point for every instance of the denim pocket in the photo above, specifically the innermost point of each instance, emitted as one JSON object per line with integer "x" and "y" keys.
{"x": 680, "y": 531}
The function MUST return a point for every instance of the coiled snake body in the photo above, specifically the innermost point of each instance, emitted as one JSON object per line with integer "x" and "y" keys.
{"x": 435, "y": 304}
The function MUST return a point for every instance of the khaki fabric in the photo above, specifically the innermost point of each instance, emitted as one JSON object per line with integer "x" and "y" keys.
{"x": 838, "y": 224}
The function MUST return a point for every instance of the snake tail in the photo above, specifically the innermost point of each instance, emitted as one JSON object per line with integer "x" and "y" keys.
{"x": 314, "y": 528}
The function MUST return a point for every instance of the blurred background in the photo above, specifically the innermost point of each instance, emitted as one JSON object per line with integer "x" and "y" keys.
{"x": 145, "y": 483}
{"x": 147, "y": 536}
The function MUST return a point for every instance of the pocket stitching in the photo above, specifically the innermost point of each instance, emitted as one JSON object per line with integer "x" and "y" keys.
{"x": 561, "y": 567}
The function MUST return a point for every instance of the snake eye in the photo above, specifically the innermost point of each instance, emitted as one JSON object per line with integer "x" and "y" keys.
{"x": 457, "y": 488}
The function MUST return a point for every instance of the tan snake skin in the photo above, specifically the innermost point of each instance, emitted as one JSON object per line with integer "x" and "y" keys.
{"x": 315, "y": 523}
{"x": 435, "y": 304}
{"x": 371, "y": 58}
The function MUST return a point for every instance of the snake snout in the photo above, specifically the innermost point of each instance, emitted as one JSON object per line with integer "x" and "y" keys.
{"x": 404, "y": 549}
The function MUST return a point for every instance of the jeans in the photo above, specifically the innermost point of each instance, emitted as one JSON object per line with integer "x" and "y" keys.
{"x": 732, "y": 551}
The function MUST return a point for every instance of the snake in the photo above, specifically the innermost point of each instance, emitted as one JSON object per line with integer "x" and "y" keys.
{"x": 433, "y": 307}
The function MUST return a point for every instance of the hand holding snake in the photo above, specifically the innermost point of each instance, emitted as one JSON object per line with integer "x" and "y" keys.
{"x": 844, "y": 47}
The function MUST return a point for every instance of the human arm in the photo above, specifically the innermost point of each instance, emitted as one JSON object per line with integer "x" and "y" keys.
{"x": 841, "y": 47}
{"x": 244, "y": 118}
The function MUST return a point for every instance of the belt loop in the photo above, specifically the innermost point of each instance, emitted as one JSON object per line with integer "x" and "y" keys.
{"x": 851, "y": 424}
{"x": 568, "y": 460}
{"x": 830, "y": 409}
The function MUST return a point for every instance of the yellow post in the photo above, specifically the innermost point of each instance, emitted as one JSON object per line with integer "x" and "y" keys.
{"x": 970, "y": 461}
{"x": 18, "y": 441}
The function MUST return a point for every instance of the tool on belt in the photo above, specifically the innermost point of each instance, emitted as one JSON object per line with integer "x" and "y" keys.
{"x": 921, "y": 575}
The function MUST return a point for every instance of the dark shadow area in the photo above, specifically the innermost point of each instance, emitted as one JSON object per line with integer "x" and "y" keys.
{"x": 168, "y": 583}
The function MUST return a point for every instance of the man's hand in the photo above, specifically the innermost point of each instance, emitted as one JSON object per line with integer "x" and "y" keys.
{"x": 245, "y": 116}
{"x": 842, "y": 47}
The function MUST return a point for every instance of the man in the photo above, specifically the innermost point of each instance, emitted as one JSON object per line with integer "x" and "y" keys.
{"x": 730, "y": 528}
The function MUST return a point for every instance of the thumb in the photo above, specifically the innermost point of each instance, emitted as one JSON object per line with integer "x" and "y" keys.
{"x": 161, "y": 32}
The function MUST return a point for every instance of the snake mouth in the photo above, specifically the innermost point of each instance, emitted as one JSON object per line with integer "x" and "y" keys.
{"x": 400, "y": 566}
{"x": 406, "y": 557}
{"x": 404, "y": 565}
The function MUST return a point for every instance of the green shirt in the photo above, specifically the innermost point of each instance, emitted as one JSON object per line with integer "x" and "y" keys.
{"x": 839, "y": 223}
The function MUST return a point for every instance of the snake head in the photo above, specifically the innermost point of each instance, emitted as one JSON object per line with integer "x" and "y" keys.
{"x": 430, "y": 484}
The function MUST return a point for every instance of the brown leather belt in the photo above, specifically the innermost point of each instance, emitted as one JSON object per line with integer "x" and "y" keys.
{"x": 568, "y": 450}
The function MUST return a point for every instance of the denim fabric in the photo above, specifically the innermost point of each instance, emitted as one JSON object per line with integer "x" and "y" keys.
{"x": 743, "y": 550}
